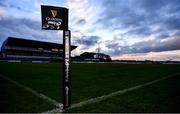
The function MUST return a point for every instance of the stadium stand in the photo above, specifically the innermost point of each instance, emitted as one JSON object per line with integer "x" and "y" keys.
{"x": 30, "y": 50}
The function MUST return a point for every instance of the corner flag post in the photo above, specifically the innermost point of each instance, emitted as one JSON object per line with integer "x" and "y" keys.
{"x": 66, "y": 62}
{"x": 66, "y": 69}
{"x": 56, "y": 18}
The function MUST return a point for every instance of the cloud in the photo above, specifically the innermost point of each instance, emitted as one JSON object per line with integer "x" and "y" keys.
{"x": 137, "y": 21}
{"x": 149, "y": 45}
{"x": 2, "y": 6}
{"x": 87, "y": 40}
{"x": 157, "y": 56}
{"x": 38, "y": 3}
{"x": 18, "y": 8}
{"x": 177, "y": 33}
{"x": 172, "y": 23}
{"x": 2, "y": 11}
{"x": 3, "y": 3}
{"x": 158, "y": 45}
{"x": 26, "y": 28}
{"x": 83, "y": 15}
{"x": 81, "y": 22}
{"x": 140, "y": 17}
{"x": 153, "y": 5}
{"x": 140, "y": 31}
{"x": 117, "y": 14}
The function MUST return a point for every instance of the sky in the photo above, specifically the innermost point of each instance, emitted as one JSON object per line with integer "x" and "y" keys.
{"x": 123, "y": 29}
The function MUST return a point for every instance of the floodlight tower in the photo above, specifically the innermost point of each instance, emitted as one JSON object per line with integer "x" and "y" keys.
{"x": 98, "y": 49}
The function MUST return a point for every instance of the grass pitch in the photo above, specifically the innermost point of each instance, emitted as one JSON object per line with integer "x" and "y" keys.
{"x": 91, "y": 81}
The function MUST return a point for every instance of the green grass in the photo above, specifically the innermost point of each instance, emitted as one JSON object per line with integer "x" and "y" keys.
{"x": 162, "y": 97}
{"x": 88, "y": 81}
{"x": 42, "y": 77}
{"x": 15, "y": 99}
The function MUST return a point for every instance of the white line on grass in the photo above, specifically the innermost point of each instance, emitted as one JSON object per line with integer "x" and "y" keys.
{"x": 42, "y": 96}
{"x": 120, "y": 92}
{"x": 56, "y": 110}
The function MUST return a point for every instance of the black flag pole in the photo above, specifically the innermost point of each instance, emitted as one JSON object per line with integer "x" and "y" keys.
{"x": 66, "y": 69}
{"x": 66, "y": 64}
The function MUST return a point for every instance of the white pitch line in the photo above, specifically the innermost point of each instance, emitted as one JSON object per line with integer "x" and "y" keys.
{"x": 42, "y": 96}
{"x": 120, "y": 92}
{"x": 56, "y": 110}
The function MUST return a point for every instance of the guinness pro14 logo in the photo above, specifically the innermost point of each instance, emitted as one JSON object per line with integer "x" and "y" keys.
{"x": 53, "y": 18}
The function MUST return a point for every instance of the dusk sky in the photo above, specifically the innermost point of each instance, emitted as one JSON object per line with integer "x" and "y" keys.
{"x": 123, "y": 29}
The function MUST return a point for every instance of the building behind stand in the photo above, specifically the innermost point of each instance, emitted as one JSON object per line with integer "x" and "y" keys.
{"x": 94, "y": 57}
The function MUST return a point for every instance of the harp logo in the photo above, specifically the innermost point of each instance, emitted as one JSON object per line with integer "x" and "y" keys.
{"x": 54, "y": 13}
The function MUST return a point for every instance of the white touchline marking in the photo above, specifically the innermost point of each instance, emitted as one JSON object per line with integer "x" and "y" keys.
{"x": 120, "y": 92}
{"x": 42, "y": 96}
{"x": 56, "y": 110}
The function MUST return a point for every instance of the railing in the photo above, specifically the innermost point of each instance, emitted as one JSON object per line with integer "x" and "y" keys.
{"x": 33, "y": 57}
{"x": 28, "y": 49}
{"x": 34, "y": 54}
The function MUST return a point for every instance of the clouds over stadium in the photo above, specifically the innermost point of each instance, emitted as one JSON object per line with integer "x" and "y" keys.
{"x": 124, "y": 27}
{"x": 25, "y": 28}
